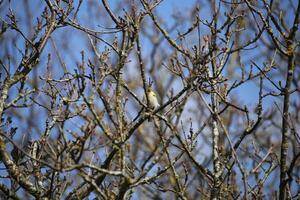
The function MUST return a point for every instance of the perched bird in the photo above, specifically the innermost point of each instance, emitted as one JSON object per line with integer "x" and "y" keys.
{"x": 152, "y": 97}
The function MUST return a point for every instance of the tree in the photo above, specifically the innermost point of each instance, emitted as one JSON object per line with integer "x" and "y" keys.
{"x": 76, "y": 121}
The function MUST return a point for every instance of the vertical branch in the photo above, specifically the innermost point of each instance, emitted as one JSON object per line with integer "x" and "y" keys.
{"x": 285, "y": 124}
{"x": 142, "y": 68}
{"x": 286, "y": 104}
{"x": 215, "y": 109}
{"x": 118, "y": 86}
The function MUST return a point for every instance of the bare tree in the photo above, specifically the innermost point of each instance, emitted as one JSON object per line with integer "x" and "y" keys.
{"x": 78, "y": 80}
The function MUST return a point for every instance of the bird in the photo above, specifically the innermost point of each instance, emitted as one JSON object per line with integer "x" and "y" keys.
{"x": 152, "y": 98}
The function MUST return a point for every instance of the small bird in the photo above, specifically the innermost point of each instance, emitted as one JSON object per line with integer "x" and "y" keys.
{"x": 152, "y": 97}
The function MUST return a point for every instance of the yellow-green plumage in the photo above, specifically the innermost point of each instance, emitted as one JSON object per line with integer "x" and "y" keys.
{"x": 152, "y": 97}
